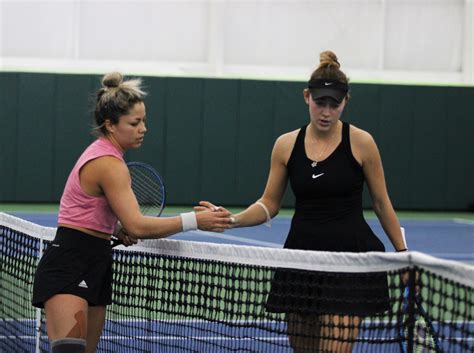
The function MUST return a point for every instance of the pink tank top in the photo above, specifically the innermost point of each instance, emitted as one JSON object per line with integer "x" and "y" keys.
{"x": 82, "y": 210}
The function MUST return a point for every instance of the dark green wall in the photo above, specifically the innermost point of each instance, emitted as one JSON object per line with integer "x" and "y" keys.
{"x": 212, "y": 138}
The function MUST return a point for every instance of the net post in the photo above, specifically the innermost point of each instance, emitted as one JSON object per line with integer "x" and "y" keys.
{"x": 411, "y": 308}
{"x": 38, "y": 310}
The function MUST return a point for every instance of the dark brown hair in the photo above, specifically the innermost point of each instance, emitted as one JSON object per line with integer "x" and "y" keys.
{"x": 329, "y": 68}
{"x": 114, "y": 99}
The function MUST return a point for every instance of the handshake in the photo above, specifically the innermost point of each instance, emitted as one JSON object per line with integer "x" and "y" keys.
{"x": 207, "y": 217}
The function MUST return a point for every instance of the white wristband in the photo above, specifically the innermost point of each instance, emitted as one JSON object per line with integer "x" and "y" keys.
{"x": 189, "y": 221}
{"x": 268, "y": 221}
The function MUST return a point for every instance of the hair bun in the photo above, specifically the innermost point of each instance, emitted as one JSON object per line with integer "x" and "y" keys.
{"x": 328, "y": 59}
{"x": 113, "y": 79}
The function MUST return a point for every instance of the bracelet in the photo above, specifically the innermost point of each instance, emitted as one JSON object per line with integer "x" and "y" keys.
{"x": 402, "y": 250}
{"x": 261, "y": 204}
{"x": 188, "y": 221}
{"x": 268, "y": 221}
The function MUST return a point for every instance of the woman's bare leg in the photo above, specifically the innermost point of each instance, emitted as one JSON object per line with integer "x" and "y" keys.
{"x": 326, "y": 333}
{"x": 94, "y": 327}
{"x": 66, "y": 317}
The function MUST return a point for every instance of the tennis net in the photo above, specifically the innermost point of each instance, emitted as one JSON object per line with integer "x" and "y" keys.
{"x": 180, "y": 296}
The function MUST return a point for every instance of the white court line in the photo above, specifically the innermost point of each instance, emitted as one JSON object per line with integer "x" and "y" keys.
{"x": 464, "y": 221}
{"x": 453, "y": 256}
{"x": 238, "y": 238}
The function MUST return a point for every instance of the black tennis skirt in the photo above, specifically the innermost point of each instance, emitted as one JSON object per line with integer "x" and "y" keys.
{"x": 338, "y": 293}
{"x": 75, "y": 263}
{"x": 318, "y": 293}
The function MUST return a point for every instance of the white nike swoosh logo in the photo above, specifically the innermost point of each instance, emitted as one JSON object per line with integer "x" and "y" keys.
{"x": 317, "y": 176}
{"x": 327, "y": 83}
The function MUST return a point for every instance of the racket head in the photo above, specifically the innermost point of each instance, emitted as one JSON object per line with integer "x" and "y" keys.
{"x": 149, "y": 190}
{"x": 424, "y": 335}
{"x": 427, "y": 339}
{"x": 148, "y": 187}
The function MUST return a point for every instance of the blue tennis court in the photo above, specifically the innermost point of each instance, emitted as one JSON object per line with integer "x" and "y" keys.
{"x": 451, "y": 239}
{"x": 190, "y": 282}
{"x": 175, "y": 334}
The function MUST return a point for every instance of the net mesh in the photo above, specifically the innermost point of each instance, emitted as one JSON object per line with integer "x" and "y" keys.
{"x": 175, "y": 296}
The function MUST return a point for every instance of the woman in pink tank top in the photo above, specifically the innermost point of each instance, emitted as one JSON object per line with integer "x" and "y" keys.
{"x": 73, "y": 281}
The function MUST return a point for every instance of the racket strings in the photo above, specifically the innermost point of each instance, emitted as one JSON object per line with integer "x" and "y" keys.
{"x": 148, "y": 189}
{"x": 423, "y": 334}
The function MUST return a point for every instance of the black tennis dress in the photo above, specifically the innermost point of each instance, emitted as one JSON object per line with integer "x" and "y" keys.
{"x": 328, "y": 217}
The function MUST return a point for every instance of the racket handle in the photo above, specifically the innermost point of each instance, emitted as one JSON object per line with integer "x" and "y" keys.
{"x": 114, "y": 241}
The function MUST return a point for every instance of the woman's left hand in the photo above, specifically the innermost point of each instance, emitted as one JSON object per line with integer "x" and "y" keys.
{"x": 209, "y": 206}
{"x": 123, "y": 236}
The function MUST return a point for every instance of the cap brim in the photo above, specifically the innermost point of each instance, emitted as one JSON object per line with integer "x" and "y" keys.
{"x": 318, "y": 93}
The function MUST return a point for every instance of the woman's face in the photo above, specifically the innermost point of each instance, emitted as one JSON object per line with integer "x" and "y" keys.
{"x": 131, "y": 129}
{"x": 325, "y": 112}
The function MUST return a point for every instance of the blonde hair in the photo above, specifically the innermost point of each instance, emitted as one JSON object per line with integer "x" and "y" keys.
{"x": 115, "y": 98}
{"x": 329, "y": 68}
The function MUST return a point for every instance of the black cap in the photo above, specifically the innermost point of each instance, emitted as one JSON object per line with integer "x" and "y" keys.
{"x": 334, "y": 89}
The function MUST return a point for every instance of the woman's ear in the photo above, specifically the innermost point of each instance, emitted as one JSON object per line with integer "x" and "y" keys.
{"x": 346, "y": 98}
{"x": 109, "y": 126}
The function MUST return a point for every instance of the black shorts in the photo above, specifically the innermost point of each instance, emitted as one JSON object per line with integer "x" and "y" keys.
{"x": 75, "y": 263}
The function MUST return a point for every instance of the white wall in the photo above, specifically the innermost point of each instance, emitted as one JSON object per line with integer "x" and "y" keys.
{"x": 427, "y": 41}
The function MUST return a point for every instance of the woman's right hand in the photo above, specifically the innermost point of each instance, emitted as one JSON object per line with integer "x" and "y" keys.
{"x": 213, "y": 220}
{"x": 207, "y": 206}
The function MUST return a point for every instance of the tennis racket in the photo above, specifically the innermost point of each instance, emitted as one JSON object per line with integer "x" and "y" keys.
{"x": 424, "y": 335}
{"x": 149, "y": 189}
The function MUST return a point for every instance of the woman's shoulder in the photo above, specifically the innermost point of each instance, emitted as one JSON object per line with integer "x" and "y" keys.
{"x": 110, "y": 164}
{"x": 288, "y": 138}
{"x": 284, "y": 145}
{"x": 360, "y": 136}
{"x": 362, "y": 144}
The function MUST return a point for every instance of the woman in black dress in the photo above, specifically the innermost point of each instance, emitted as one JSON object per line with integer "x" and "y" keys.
{"x": 327, "y": 163}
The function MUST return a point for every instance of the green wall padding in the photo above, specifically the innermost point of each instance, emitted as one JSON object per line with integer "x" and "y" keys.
{"x": 8, "y": 134}
{"x": 35, "y": 137}
{"x": 72, "y": 122}
{"x": 255, "y": 137}
{"x": 212, "y": 138}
